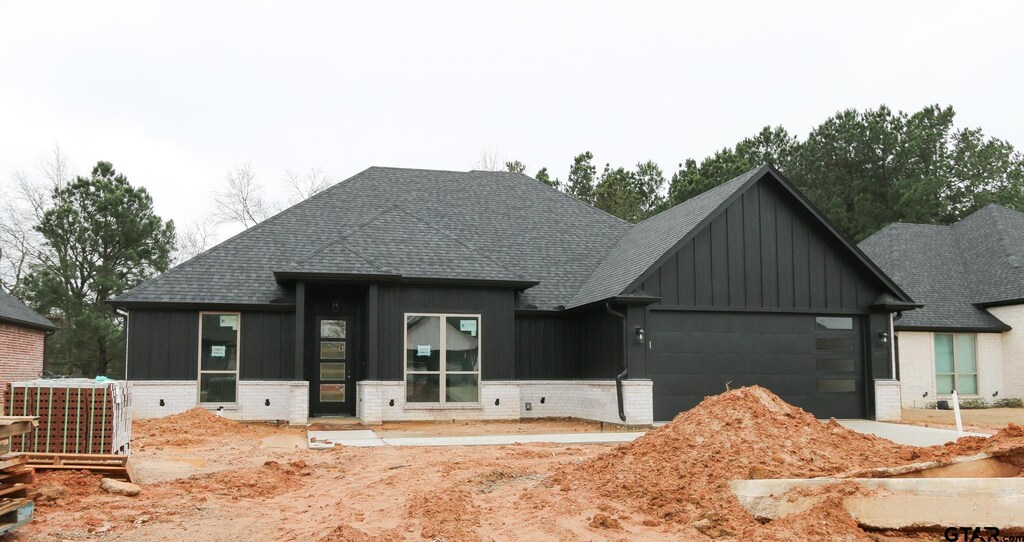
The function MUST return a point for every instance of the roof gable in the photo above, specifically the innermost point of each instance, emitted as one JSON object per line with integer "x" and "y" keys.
{"x": 955, "y": 269}
{"x": 651, "y": 242}
{"x": 14, "y": 311}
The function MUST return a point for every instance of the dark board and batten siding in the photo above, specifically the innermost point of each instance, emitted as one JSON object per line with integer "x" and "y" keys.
{"x": 494, "y": 305}
{"x": 164, "y": 345}
{"x": 268, "y": 346}
{"x": 763, "y": 252}
{"x": 575, "y": 346}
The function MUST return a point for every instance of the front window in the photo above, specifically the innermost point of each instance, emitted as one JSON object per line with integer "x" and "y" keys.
{"x": 956, "y": 366}
{"x": 442, "y": 366}
{"x": 218, "y": 357}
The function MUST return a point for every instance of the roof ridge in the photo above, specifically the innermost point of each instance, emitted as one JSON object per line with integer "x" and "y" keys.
{"x": 341, "y": 238}
{"x": 1004, "y": 236}
{"x": 746, "y": 176}
{"x": 459, "y": 241}
{"x": 577, "y": 200}
{"x": 204, "y": 254}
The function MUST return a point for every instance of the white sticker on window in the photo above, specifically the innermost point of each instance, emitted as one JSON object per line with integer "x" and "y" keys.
{"x": 218, "y": 351}
{"x": 423, "y": 350}
{"x": 229, "y": 320}
{"x": 468, "y": 325}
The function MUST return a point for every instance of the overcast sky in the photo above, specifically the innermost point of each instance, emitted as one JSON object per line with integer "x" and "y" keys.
{"x": 175, "y": 94}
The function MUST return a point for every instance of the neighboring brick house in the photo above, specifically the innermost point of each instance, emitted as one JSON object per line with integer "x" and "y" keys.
{"x": 22, "y": 341}
{"x": 970, "y": 277}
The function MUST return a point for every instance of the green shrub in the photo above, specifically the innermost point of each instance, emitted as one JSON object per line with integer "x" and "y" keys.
{"x": 970, "y": 404}
{"x": 1008, "y": 402}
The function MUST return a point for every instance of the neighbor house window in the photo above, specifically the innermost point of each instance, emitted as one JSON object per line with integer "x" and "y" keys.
{"x": 442, "y": 358}
{"x": 956, "y": 366}
{"x": 218, "y": 357}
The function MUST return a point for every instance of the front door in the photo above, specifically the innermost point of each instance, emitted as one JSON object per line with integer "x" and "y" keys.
{"x": 333, "y": 378}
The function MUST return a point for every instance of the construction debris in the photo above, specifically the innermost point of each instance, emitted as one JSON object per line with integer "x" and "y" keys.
{"x": 888, "y": 503}
{"x": 680, "y": 473}
{"x": 16, "y": 509}
{"x": 110, "y": 465}
{"x": 117, "y": 487}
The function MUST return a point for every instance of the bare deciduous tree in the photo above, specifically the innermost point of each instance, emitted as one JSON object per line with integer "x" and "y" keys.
{"x": 490, "y": 160}
{"x": 242, "y": 201}
{"x": 299, "y": 187}
{"x": 30, "y": 197}
{"x": 194, "y": 239}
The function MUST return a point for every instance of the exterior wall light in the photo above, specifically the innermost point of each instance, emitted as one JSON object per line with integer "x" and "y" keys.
{"x": 639, "y": 335}
{"x": 883, "y": 338}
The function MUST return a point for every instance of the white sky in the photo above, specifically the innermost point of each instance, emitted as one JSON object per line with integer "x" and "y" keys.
{"x": 175, "y": 94}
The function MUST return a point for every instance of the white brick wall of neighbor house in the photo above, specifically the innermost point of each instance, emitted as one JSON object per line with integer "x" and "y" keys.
{"x": 378, "y": 401}
{"x": 1013, "y": 349}
{"x": 1000, "y": 361}
{"x": 887, "y": 401}
{"x": 289, "y": 400}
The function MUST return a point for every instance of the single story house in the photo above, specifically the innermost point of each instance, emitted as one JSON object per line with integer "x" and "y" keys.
{"x": 404, "y": 294}
{"x": 970, "y": 276}
{"x": 23, "y": 334}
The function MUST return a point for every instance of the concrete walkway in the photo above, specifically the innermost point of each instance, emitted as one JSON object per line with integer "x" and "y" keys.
{"x": 329, "y": 439}
{"x": 912, "y": 435}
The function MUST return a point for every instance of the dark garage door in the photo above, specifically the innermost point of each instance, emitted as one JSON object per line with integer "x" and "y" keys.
{"x": 814, "y": 362}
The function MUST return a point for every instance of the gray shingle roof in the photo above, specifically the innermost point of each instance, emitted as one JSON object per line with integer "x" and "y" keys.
{"x": 953, "y": 269}
{"x": 504, "y": 223}
{"x": 14, "y": 311}
{"x": 398, "y": 243}
{"x": 435, "y": 225}
{"x": 649, "y": 240}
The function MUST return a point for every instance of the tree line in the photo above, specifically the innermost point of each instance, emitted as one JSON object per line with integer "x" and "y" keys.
{"x": 70, "y": 243}
{"x": 863, "y": 169}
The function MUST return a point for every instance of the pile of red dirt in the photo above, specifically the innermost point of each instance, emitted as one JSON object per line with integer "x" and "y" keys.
{"x": 186, "y": 428}
{"x": 445, "y": 515}
{"x": 680, "y": 472}
{"x": 62, "y": 487}
{"x": 264, "y": 482}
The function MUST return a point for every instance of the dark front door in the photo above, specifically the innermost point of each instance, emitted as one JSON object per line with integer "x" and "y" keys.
{"x": 332, "y": 384}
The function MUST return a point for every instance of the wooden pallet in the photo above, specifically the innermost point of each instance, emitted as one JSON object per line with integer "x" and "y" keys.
{"x": 109, "y": 465}
{"x": 15, "y": 513}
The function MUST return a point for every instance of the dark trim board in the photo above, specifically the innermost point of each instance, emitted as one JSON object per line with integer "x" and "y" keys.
{"x": 897, "y": 327}
{"x": 712, "y": 308}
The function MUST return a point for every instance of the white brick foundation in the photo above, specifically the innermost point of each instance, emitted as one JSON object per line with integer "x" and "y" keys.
{"x": 379, "y": 401}
{"x": 888, "y": 407}
{"x": 289, "y": 400}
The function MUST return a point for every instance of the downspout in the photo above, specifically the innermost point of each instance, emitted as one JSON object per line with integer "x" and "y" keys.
{"x": 124, "y": 319}
{"x": 892, "y": 348}
{"x": 625, "y": 366}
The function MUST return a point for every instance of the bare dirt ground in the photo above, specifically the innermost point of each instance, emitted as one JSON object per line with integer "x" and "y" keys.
{"x": 987, "y": 420}
{"x": 207, "y": 478}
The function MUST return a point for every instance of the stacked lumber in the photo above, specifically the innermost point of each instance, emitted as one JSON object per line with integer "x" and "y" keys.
{"x": 16, "y": 476}
{"x": 76, "y": 415}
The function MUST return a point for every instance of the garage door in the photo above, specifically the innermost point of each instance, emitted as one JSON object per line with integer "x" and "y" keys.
{"x": 814, "y": 362}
